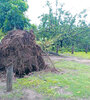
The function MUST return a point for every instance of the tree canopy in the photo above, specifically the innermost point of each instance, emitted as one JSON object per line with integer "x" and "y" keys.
{"x": 61, "y": 29}
{"x": 12, "y": 14}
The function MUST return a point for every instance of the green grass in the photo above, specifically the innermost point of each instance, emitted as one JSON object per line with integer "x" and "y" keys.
{"x": 78, "y": 54}
{"x": 75, "y": 79}
{"x": 16, "y": 94}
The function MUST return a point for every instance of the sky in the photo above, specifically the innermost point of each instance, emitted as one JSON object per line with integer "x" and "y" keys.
{"x": 37, "y": 7}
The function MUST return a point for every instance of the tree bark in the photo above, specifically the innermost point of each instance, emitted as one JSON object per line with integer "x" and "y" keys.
{"x": 72, "y": 49}
{"x": 57, "y": 49}
{"x": 86, "y": 49}
{"x": 9, "y": 78}
{"x": 61, "y": 43}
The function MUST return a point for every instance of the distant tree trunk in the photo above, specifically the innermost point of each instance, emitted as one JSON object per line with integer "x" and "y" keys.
{"x": 86, "y": 49}
{"x": 57, "y": 49}
{"x": 61, "y": 43}
{"x": 72, "y": 48}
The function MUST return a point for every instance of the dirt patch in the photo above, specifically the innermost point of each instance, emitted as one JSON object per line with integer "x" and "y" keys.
{"x": 13, "y": 95}
{"x": 68, "y": 58}
{"x": 31, "y": 95}
{"x": 62, "y": 90}
{"x": 84, "y": 61}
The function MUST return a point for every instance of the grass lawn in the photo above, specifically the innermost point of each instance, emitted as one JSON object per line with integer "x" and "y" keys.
{"x": 78, "y": 54}
{"x": 74, "y": 83}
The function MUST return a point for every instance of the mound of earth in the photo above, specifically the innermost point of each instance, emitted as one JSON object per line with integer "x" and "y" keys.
{"x": 18, "y": 48}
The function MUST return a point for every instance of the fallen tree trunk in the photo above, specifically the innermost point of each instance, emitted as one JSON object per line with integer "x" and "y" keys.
{"x": 53, "y": 53}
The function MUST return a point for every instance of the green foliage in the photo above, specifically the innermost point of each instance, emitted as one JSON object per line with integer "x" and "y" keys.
{"x": 64, "y": 29}
{"x": 12, "y": 14}
{"x": 1, "y": 35}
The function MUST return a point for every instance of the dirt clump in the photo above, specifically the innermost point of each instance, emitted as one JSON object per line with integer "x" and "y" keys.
{"x": 18, "y": 48}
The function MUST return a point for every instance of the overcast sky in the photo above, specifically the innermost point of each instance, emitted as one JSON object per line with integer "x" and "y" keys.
{"x": 37, "y": 7}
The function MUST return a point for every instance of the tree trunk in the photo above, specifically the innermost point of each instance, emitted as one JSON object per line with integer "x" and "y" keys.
{"x": 9, "y": 78}
{"x": 61, "y": 43}
{"x": 86, "y": 49}
{"x": 57, "y": 49}
{"x": 72, "y": 49}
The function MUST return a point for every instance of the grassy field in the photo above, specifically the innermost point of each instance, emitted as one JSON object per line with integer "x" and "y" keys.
{"x": 72, "y": 83}
{"x": 78, "y": 54}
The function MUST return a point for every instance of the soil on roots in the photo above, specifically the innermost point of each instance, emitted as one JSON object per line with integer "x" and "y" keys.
{"x": 18, "y": 48}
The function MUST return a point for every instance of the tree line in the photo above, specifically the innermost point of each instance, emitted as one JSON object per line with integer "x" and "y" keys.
{"x": 58, "y": 30}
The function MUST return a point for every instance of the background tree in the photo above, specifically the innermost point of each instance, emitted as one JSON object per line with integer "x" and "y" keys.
{"x": 60, "y": 30}
{"x": 12, "y": 14}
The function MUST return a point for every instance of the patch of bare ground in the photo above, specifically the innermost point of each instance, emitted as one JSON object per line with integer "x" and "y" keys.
{"x": 70, "y": 58}
{"x": 31, "y": 95}
{"x": 27, "y": 93}
{"x": 61, "y": 90}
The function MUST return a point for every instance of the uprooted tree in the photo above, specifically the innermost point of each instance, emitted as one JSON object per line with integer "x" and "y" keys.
{"x": 19, "y": 49}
